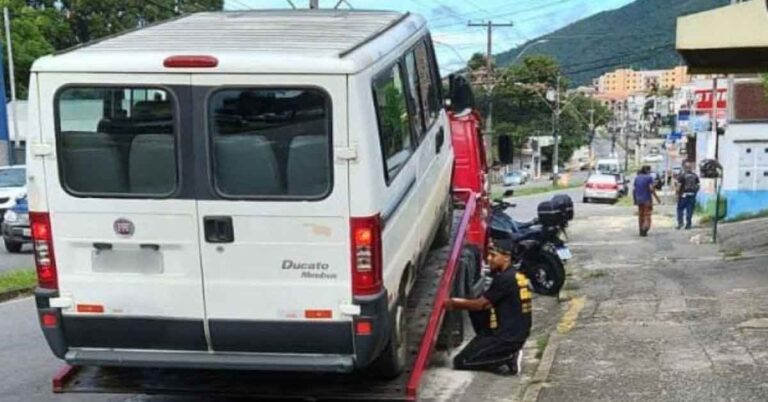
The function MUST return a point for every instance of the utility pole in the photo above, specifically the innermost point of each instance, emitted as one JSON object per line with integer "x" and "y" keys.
{"x": 625, "y": 132}
{"x": 489, "y": 81}
{"x": 12, "y": 83}
{"x": 555, "y": 134}
{"x": 591, "y": 133}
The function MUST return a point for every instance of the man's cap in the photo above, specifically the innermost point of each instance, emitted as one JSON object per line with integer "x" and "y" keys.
{"x": 503, "y": 246}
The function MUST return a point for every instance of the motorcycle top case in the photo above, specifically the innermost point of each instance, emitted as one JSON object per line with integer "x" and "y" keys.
{"x": 551, "y": 215}
{"x": 564, "y": 203}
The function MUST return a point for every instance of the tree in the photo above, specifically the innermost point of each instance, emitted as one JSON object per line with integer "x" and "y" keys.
{"x": 39, "y": 27}
{"x": 520, "y": 109}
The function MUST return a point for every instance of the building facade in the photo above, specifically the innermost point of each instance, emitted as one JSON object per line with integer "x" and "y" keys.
{"x": 625, "y": 81}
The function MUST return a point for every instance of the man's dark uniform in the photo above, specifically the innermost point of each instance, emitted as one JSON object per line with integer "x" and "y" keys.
{"x": 502, "y": 330}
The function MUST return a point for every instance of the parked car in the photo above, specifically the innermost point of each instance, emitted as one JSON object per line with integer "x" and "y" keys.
{"x": 13, "y": 185}
{"x": 513, "y": 179}
{"x": 608, "y": 166}
{"x": 15, "y": 226}
{"x": 654, "y": 158}
{"x": 285, "y": 235}
{"x": 604, "y": 187}
{"x": 623, "y": 184}
{"x": 526, "y": 175}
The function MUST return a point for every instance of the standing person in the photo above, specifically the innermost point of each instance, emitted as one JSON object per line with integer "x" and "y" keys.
{"x": 501, "y": 317}
{"x": 687, "y": 187}
{"x": 643, "y": 194}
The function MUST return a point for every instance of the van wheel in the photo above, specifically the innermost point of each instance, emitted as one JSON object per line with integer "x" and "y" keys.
{"x": 12, "y": 246}
{"x": 443, "y": 236}
{"x": 452, "y": 331}
{"x": 391, "y": 362}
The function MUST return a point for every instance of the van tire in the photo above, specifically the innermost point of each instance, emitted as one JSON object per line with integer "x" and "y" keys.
{"x": 443, "y": 235}
{"x": 452, "y": 331}
{"x": 13, "y": 246}
{"x": 391, "y": 361}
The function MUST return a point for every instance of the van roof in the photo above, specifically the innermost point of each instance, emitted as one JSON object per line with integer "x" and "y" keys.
{"x": 269, "y": 41}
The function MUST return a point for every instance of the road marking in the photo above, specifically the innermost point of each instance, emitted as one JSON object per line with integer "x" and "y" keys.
{"x": 568, "y": 321}
{"x": 14, "y": 301}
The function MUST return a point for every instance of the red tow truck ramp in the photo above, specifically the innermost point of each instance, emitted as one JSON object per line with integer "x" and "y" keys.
{"x": 426, "y": 312}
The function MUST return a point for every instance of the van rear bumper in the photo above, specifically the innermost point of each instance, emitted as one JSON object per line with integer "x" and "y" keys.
{"x": 204, "y": 360}
{"x": 256, "y": 345}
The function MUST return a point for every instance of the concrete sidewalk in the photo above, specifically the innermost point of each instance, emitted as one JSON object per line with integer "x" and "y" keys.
{"x": 664, "y": 319}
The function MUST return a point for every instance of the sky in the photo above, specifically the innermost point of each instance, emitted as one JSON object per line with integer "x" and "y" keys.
{"x": 454, "y": 41}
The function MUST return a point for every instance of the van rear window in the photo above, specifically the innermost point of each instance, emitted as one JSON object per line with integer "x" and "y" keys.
{"x": 116, "y": 141}
{"x": 271, "y": 142}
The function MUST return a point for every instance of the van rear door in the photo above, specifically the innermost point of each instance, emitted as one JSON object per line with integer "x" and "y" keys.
{"x": 122, "y": 211}
{"x": 275, "y": 238}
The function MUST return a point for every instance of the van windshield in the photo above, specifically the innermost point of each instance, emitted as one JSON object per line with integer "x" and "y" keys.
{"x": 271, "y": 142}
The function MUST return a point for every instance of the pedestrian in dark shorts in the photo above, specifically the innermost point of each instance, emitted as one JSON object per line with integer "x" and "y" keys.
{"x": 643, "y": 194}
{"x": 501, "y": 317}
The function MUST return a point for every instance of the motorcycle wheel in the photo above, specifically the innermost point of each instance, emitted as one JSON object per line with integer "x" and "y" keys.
{"x": 545, "y": 272}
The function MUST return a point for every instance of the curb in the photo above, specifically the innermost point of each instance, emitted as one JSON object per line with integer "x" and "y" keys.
{"x": 545, "y": 366}
{"x": 565, "y": 325}
{"x": 13, "y": 294}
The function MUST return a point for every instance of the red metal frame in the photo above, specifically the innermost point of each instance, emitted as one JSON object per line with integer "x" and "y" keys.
{"x": 62, "y": 377}
{"x": 438, "y": 310}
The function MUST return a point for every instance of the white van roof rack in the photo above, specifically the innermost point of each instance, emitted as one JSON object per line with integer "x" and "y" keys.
{"x": 290, "y": 41}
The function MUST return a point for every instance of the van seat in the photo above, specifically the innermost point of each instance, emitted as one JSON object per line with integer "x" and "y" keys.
{"x": 246, "y": 165}
{"x": 93, "y": 163}
{"x": 152, "y": 164}
{"x": 308, "y": 165}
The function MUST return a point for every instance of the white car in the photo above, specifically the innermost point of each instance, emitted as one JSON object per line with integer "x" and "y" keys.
{"x": 603, "y": 187}
{"x": 13, "y": 185}
{"x": 655, "y": 158}
{"x": 249, "y": 191}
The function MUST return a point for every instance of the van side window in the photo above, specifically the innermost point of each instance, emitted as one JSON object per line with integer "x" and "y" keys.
{"x": 116, "y": 141}
{"x": 414, "y": 93}
{"x": 429, "y": 83}
{"x": 271, "y": 142}
{"x": 393, "y": 118}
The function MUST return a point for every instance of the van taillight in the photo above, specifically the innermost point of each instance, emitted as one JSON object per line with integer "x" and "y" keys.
{"x": 42, "y": 240}
{"x": 366, "y": 255}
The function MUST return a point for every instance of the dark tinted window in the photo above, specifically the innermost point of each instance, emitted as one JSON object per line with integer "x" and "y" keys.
{"x": 271, "y": 142}
{"x": 412, "y": 77}
{"x": 393, "y": 118}
{"x": 116, "y": 141}
{"x": 429, "y": 83}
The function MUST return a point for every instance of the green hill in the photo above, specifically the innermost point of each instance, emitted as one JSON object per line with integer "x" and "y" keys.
{"x": 639, "y": 35}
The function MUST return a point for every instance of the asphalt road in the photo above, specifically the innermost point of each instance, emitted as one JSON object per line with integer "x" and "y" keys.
{"x": 10, "y": 261}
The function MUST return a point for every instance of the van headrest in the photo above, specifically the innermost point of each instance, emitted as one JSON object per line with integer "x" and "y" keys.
{"x": 152, "y": 164}
{"x": 308, "y": 165}
{"x": 246, "y": 165}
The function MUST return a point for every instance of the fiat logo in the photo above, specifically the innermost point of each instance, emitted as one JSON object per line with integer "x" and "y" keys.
{"x": 123, "y": 227}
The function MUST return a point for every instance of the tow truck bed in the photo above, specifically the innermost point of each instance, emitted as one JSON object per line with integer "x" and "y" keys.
{"x": 423, "y": 325}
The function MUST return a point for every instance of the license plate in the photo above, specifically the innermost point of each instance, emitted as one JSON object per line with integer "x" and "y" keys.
{"x": 26, "y": 232}
{"x": 564, "y": 253}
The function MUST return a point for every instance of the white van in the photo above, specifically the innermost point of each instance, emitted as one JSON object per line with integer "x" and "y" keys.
{"x": 239, "y": 190}
{"x": 608, "y": 166}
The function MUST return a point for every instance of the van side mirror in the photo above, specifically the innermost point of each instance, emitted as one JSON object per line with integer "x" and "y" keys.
{"x": 460, "y": 93}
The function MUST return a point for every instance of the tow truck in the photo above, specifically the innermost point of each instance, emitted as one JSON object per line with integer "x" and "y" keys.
{"x": 435, "y": 283}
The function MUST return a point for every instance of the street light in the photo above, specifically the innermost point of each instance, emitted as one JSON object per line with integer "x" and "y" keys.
{"x": 526, "y": 47}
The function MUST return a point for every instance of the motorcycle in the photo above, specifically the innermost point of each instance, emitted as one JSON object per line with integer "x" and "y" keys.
{"x": 540, "y": 252}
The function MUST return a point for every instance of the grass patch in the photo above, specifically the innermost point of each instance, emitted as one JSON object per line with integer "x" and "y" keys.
{"x": 625, "y": 202}
{"x": 17, "y": 280}
{"x": 541, "y": 344}
{"x": 733, "y": 253}
{"x": 598, "y": 273}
